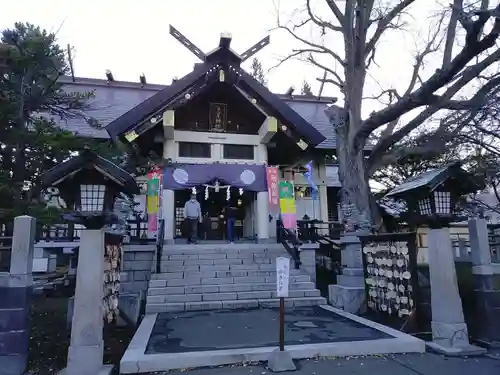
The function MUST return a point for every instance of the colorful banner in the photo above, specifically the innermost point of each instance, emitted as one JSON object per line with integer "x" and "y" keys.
{"x": 287, "y": 204}
{"x": 309, "y": 177}
{"x": 272, "y": 187}
{"x": 153, "y": 197}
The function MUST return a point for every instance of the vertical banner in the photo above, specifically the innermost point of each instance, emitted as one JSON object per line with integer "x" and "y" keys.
{"x": 287, "y": 204}
{"x": 272, "y": 187}
{"x": 153, "y": 200}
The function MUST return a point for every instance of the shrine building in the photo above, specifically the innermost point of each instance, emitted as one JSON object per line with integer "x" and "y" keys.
{"x": 217, "y": 128}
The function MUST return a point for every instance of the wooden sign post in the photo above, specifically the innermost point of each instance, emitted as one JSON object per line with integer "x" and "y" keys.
{"x": 281, "y": 360}
{"x": 282, "y": 284}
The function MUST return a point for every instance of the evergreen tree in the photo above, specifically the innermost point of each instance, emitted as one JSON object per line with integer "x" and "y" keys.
{"x": 258, "y": 72}
{"x": 31, "y": 101}
{"x": 306, "y": 89}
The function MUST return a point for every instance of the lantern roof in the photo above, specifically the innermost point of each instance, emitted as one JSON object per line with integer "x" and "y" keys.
{"x": 463, "y": 181}
{"x": 88, "y": 160}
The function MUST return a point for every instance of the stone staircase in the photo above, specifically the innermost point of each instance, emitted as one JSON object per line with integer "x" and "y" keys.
{"x": 224, "y": 276}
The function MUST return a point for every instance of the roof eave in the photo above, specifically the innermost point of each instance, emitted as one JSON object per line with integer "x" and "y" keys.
{"x": 134, "y": 116}
{"x": 303, "y": 127}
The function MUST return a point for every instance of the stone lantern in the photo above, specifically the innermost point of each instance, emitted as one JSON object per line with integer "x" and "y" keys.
{"x": 433, "y": 199}
{"x": 88, "y": 185}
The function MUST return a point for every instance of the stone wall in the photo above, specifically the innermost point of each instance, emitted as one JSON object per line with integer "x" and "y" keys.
{"x": 14, "y": 325}
{"x": 487, "y": 295}
{"x": 308, "y": 259}
{"x": 138, "y": 263}
{"x": 15, "y": 299}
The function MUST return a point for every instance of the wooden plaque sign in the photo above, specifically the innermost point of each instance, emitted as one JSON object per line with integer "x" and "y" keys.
{"x": 218, "y": 117}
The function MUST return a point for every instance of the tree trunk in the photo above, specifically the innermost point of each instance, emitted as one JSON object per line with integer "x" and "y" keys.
{"x": 355, "y": 192}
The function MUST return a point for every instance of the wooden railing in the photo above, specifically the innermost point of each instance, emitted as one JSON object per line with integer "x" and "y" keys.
{"x": 159, "y": 244}
{"x": 137, "y": 229}
{"x": 316, "y": 230}
{"x": 289, "y": 241}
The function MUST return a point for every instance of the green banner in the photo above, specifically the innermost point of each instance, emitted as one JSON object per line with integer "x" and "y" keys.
{"x": 285, "y": 190}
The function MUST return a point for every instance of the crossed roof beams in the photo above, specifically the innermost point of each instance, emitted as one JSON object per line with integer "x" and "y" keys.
{"x": 225, "y": 41}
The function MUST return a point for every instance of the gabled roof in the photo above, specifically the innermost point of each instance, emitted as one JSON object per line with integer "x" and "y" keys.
{"x": 154, "y": 103}
{"x": 248, "y": 83}
{"x": 221, "y": 58}
{"x": 113, "y": 99}
{"x": 429, "y": 181}
{"x": 88, "y": 158}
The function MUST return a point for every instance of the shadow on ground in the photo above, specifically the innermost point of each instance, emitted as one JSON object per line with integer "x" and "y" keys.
{"x": 49, "y": 339}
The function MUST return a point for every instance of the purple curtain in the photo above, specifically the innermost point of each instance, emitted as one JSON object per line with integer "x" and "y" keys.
{"x": 246, "y": 176}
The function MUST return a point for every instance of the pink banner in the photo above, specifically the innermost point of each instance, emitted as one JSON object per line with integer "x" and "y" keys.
{"x": 272, "y": 186}
{"x": 152, "y": 222}
{"x": 289, "y": 221}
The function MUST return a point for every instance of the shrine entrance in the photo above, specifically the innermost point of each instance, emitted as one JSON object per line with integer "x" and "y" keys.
{"x": 213, "y": 208}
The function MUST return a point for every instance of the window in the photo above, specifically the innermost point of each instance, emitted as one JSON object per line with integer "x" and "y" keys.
{"x": 194, "y": 150}
{"x": 238, "y": 152}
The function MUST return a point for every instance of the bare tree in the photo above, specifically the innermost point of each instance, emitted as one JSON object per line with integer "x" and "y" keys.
{"x": 465, "y": 34}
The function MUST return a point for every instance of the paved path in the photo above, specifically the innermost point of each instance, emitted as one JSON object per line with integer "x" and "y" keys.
{"x": 406, "y": 364}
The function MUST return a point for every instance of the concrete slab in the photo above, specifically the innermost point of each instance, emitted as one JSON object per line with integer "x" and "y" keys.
{"x": 280, "y": 361}
{"x": 401, "y": 364}
{"x": 105, "y": 370}
{"x": 463, "y": 351}
{"x": 197, "y": 339}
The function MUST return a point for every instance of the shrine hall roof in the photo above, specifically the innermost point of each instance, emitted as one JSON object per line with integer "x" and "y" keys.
{"x": 113, "y": 99}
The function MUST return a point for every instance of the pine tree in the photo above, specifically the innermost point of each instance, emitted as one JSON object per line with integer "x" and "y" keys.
{"x": 31, "y": 100}
{"x": 258, "y": 72}
{"x": 306, "y": 89}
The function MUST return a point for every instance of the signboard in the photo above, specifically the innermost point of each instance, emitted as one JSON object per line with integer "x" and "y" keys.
{"x": 282, "y": 276}
{"x": 287, "y": 204}
{"x": 272, "y": 187}
{"x": 153, "y": 200}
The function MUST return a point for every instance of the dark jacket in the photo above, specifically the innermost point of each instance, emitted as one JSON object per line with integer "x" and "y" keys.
{"x": 231, "y": 212}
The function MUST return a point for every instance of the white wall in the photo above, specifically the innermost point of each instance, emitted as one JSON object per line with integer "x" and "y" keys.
{"x": 217, "y": 142}
{"x": 307, "y": 205}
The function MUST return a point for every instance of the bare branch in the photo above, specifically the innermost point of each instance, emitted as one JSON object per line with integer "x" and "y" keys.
{"x": 311, "y": 45}
{"x": 423, "y": 95}
{"x": 323, "y": 24}
{"x": 336, "y": 11}
{"x": 451, "y": 32}
{"x": 384, "y": 23}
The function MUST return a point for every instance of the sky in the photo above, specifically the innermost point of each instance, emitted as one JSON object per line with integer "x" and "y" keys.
{"x": 132, "y": 37}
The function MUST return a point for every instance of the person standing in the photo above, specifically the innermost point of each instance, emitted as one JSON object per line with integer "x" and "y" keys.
{"x": 192, "y": 215}
{"x": 230, "y": 220}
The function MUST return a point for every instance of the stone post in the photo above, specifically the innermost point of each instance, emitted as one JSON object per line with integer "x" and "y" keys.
{"x": 449, "y": 331}
{"x": 85, "y": 353}
{"x": 486, "y": 283}
{"x": 15, "y": 299}
{"x": 262, "y": 216}
{"x": 349, "y": 292}
{"x": 168, "y": 203}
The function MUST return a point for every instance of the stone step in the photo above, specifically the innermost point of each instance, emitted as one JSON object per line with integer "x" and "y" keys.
{"x": 152, "y": 308}
{"x": 223, "y": 258}
{"x": 222, "y": 248}
{"x": 217, "y": 272}
{"x": 223, "y": 280}
{"x": 167, "y": 268}
{"x": 196, "y": 289}
{"x": 174, "y": 298}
